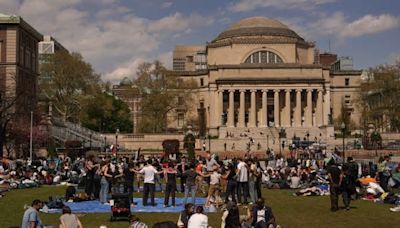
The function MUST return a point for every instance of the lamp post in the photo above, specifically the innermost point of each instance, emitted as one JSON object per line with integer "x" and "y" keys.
{"x": 343, "y": 127}
{"x": 267, "y": 141}
{"x": 30, "y": 139}
{"x": 116, "y": 139}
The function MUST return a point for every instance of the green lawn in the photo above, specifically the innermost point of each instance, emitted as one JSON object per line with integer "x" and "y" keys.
{"x": 289, "y": 210}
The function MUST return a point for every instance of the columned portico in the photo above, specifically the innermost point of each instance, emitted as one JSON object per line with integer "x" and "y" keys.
{"x": 283, "y": 112}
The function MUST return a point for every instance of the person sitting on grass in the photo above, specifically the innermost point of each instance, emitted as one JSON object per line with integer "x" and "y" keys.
{"x": 31, "y": 217}
{"x": 69, "y": 220}
{"x": 262, "y": 215}
{"x": 231, "y": 217}
{"x": 185, "y": 215}
{"x": 136, "y": 223}
{"x": 198, "y": 220}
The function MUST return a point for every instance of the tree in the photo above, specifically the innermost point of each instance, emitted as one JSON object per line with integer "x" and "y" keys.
{"x": 67, "y": 81}
{"x": 106, "y": 113}
{"x": 19, "y": 135}
{"x": 162, "y": 93}
{"x": 379, "y": 97}
{"x": 344, "y": 118}
{"x": 9, "y": 97}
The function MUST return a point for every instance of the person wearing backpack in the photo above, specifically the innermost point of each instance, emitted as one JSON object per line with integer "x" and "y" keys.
{"x": 262, "y": 215}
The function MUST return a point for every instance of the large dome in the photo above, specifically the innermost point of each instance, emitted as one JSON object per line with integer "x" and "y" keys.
{"x": 257, "y": 26}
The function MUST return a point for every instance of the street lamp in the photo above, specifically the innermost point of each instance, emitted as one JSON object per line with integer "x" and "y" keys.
{"x": 116, "y": 138}
{"x": 30, "y": 138}
{"x": 343, "y": 127}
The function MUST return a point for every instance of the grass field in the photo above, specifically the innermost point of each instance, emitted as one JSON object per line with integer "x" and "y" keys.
{"x": 289, "y": 210}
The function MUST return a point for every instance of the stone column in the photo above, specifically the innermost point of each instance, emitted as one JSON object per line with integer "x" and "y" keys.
{"x": 319, "y": 112}
{"x": 252, "y": 117}
{"x": 308, "y": 113}
{"x": 220, "y": 108}
{"x": 264, "y": 117}
{"x": 327, "y": 105}
{"x": 231, "y": 114}
{"x": 287, "y": 120}
{"x": 241, "y": 109}
{"x": 297, "y": 111}
{"x": 276, "y": 108}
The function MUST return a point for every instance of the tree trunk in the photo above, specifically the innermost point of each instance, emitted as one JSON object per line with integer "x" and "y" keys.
{"x": 2, "y": 141}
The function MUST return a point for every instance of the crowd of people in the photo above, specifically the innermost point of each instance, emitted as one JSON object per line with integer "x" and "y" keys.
{"x": 224, "y": 182}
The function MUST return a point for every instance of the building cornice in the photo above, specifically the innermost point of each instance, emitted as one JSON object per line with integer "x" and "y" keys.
{"x": 188, "y": 73}
{"x": 346, "y": 72}
{"x": 265, "y": 66}
{"x": 286, "y": 80}
{"x": 17, "y": 20}
{"x": 259, "y": 40}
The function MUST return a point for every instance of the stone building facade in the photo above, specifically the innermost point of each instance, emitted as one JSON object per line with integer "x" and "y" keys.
{"x": 262, "y": 75}
{"x": 19, "y": 63}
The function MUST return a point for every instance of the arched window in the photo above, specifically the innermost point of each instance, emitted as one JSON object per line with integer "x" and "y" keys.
{"x": 263, "y": 57}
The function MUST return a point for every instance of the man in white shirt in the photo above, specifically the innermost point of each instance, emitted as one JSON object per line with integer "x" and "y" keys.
{"x": 149, "y": 173}
{"x": 198, "y": 220}
{"x": 243, "y": 178}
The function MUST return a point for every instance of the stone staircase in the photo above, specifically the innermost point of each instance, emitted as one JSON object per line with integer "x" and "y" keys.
{"x": 63, "y": 131}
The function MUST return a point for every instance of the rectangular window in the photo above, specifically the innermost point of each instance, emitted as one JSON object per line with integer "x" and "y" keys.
{"x": 180, "y": 100}
{"x": 346, "y": 81}
{"x": 189, "y": 59}
{"x": 181, "y": 119}
{"x": 201, "y": 82}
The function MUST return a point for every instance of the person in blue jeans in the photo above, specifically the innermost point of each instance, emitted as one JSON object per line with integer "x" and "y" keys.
{"x": 190, "y": 176}
{"x": 104, "y": 185}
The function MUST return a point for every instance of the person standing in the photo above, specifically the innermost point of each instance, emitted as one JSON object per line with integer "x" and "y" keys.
{"x": 182, "y": 167}
{"x": 243, "y": 178}
{"x": 191, "y": 177}
{"x": 200, "y": 168}
{"x": 31, "y": 217}
{"x": 347, "y": 186}
{"x": 214, "y": 187}
{"x": 232, "y": 183}
{"x": 90, "y": 168}
{"x": 104, "y": 185}
{"x": 335, "y": 179}
{"x": 149, "y": 173}
{"x": 170, "y": 187}
{"x": 253, "y": 173}
{"x": 69, "y": 220}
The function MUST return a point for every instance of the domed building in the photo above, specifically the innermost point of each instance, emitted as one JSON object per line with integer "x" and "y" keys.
{"x": 260, "y": 76}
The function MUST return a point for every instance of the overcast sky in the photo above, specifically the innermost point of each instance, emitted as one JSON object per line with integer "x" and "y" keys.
{"x": 116, "y": 35}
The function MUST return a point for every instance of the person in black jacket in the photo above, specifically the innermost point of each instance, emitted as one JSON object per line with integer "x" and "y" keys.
{"x": 185, "y": 215}
{"x": 262, "y": 215}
